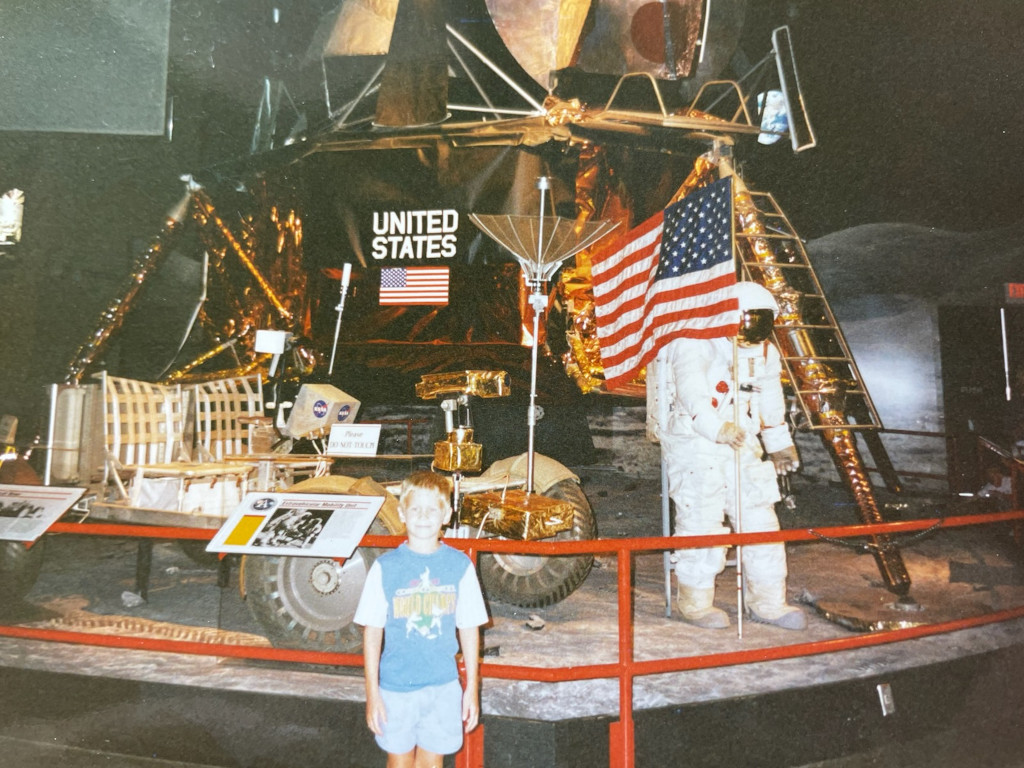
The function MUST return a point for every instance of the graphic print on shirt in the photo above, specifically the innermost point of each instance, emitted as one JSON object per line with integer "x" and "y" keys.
{"x": 423, "y": 603}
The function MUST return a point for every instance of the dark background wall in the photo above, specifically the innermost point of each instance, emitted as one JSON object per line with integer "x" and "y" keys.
{"x": 915, "y": 104}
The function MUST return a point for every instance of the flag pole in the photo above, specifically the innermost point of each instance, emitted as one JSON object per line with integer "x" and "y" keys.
{"x": 666, "y": 502}
{"x": 738, "y": 500}
{"x": 738, "y": 517}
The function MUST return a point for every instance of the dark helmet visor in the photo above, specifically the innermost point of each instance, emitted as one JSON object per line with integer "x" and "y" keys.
{"x": 755, "y": 325}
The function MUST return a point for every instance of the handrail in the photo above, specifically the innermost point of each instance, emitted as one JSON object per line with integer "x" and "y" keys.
{"x": 587, "y": 546}
{"x": 626, "y": 668}
{"x": 1016, "y": 467}
{"x": 952, "y": 446}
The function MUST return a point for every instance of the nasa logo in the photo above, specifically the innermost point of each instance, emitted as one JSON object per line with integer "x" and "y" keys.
{"x": 320, "y": 408}
{"x": 343, "y": 412}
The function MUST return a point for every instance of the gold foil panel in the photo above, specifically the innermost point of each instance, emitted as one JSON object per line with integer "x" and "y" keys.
{"x": 246, "y": 256}
{"x": 479, "y": 383}
{"x": 453, "y": 455}
{"x": 516, "y": 514}
{"x": 854, "y": 618}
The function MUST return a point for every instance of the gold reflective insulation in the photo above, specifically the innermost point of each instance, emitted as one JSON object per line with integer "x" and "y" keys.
{"x": 853, "y": 618}
{"x": 477, "y": 383}
{"x": 112, "y": 317}
{"x": 208, "y": 218}
{"x": 257, "y": 281}
{"x": 355, "y": 28}
{"x": 600, "y": 194}
{"x": 516, "y": 514}
{"x": 458, "y": 453}
{"x": 188, "y": 371}
{"x": 559, "y": 112}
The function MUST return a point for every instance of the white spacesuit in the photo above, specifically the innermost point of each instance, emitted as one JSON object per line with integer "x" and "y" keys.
{"x": 701, "y": 442}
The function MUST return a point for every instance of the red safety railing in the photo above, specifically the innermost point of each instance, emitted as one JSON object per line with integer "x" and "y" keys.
{"x": 626, "y": 668}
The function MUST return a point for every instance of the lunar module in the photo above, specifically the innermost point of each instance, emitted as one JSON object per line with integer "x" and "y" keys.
{"x": 388, "y": 227}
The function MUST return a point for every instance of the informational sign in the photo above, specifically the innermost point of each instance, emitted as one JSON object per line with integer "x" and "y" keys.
{"x": 26, "y": 511}
{"x": 1013, "y": 293}
{"x": 303, "y": 524}
{"x": 353, "y": 440}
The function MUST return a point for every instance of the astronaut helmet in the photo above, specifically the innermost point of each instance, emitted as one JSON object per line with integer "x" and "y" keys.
{"x": 758, "y": 309}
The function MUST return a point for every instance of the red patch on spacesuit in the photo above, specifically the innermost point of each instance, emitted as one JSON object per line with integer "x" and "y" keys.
{"x": 721, "y": 387}
{"x": 714, "y": 402}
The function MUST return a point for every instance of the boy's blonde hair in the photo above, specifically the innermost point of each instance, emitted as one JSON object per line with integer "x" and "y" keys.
{"x": 428, "y": 481}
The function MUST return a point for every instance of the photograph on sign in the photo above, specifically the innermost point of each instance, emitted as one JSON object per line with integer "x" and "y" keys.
{"x": 303, "y": 524}
{"x": 26, "y": 511}
{"x": 353, "y": 440}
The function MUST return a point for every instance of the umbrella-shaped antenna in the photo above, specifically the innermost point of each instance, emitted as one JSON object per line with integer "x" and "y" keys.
{"x": 540, "y": 244}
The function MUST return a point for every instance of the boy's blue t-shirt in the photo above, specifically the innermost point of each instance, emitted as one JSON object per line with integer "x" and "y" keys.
{"x": 427, "y": 597}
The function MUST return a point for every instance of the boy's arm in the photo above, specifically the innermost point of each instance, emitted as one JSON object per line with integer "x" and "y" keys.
{"x": 469, "y": 638}
{"x": 373, "y": 641}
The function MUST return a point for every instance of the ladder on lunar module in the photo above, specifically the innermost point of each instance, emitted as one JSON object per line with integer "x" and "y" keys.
{"x": 821, "y": 371}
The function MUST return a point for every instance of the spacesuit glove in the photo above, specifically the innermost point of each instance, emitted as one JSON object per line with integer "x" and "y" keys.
{"x": 731, "y": 435}
{"x": 787, "y": 460}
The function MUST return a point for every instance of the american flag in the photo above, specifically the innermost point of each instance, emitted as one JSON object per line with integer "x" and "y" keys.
{"x": 414, "y": 285}
{"x": 654, "y": 288}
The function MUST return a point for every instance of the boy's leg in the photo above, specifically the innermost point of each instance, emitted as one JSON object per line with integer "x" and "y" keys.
{"x": 427, "y": 759}
{"x": 406, "y": 760}
{"x": 418, "y": 758}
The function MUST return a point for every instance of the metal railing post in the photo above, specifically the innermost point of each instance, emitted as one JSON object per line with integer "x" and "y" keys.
{"x": 621, "y": 735}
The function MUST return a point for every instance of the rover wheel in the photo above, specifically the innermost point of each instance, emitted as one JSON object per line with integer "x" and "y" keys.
{"x": 309, "y": 602}
{"x": 533, "y": 581}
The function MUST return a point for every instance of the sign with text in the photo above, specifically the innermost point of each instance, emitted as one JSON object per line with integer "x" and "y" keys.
{"x": 400, "y": 235}
{"x": 353, "y": 440}
{"x": 303, "y": 524}
{"x": 26, "y": 511}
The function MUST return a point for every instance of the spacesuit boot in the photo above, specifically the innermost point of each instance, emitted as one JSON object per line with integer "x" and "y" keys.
{"x": 766, "y": 604}
{"x": 696, "y": 607}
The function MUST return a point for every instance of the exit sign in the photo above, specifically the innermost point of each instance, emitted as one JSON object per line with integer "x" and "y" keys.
{"x": 1014, "y": 293}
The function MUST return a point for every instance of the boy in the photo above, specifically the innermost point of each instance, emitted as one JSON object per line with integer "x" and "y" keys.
{"x": 418, "y": 596}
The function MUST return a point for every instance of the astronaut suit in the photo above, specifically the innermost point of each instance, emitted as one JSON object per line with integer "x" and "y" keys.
{"x": 701, "y": 443}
